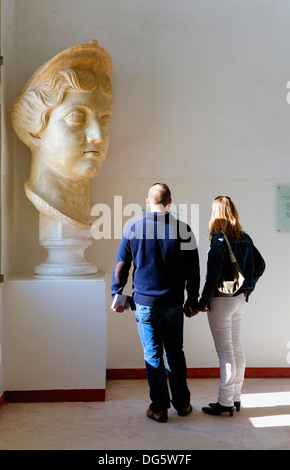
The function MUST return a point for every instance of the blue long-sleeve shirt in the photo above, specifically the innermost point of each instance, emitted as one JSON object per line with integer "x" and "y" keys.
{"x": 165, "y": 261}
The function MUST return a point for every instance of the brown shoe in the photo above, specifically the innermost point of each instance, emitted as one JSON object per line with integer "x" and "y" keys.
{"x": 159, "y": 416}
{"x": 185, "y": 411}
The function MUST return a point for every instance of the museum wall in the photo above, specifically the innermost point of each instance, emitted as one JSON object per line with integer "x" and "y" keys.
{"x": 199, "y": 103}
{"x": 8, "y": 211}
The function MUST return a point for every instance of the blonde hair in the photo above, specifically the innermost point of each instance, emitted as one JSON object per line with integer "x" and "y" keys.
{"x": 225, "y": 218}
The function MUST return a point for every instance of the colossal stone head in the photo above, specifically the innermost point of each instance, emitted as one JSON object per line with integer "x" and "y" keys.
{"x": 62, "y": 114}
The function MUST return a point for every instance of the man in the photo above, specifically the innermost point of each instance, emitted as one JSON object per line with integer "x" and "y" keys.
{"x": 165, "y": 259}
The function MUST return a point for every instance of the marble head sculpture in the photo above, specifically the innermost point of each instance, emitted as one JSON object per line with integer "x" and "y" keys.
{"x": 62, "y": 114}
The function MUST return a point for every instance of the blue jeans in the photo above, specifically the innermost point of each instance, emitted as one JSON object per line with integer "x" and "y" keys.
{"x": 161, "y": 330}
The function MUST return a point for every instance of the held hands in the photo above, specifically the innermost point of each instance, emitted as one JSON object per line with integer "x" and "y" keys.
{"x": 190, "y": 312}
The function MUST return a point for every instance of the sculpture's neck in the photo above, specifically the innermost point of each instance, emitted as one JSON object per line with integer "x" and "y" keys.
{"x": 69, "y": 197}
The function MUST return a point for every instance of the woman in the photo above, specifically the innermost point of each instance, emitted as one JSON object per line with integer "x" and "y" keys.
{"x": 225, "y": 313}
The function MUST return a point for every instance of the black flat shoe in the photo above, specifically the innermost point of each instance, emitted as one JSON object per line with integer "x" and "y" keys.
{"x": 218, "y": 409}
{"x": 237, "y": 405}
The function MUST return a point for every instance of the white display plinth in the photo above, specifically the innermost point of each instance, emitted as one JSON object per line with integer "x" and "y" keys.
{"x": 66, "y": 246}
{"x": 55, "y": 334}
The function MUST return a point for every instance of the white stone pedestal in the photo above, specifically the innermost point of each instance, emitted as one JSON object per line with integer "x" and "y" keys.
{"x": 66, "y": 247}
{"x": 55, "y": 335}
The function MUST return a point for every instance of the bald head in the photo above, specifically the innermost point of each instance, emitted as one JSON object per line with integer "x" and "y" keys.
{"x": 159, "y": 196}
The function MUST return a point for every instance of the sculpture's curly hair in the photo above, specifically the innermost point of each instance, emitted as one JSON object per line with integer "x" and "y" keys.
{"x": 31, "y": 110}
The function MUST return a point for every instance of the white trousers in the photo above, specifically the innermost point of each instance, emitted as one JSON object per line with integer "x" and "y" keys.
{"x": 225, "y": 321}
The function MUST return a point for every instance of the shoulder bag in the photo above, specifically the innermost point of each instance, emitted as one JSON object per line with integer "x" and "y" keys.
{"x": 229, "y": 288}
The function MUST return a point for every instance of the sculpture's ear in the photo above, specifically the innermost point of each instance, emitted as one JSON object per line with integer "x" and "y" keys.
{"x": 34, "y": 139}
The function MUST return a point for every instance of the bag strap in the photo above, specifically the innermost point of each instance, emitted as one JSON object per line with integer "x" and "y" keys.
{"x": 232, "y": 256}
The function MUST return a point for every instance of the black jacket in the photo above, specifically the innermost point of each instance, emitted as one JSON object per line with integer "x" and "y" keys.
{"x": 219, "y": 266}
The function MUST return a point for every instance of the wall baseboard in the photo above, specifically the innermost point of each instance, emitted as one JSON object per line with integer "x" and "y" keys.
{"x": 267, "y": 373}
{"x": 97, "y": 395}
{"x": 205, "y": 373}
{"x": 2, "y": 400}
{"x": 53, "y": 396}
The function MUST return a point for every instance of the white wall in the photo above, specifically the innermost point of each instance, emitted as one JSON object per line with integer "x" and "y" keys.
{"x": 8, "y": 214}
{"x": 8, "y": 70}
{"x": 200, "y": 103}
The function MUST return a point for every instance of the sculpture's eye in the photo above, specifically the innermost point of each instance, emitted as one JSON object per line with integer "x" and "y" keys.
{"x": 105, "y": 120}
{"x": 75, "y": 116}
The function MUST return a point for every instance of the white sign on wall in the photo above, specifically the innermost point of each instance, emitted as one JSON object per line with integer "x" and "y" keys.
{"x": 283, "y": 208}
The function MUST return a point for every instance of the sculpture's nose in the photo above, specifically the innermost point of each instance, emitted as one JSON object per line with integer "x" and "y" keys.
{"x": 94, "y": 132}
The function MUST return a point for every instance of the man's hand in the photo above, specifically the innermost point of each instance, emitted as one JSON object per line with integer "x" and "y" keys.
{"x": 190, "y": 312}
{"x": 119, "y": 309}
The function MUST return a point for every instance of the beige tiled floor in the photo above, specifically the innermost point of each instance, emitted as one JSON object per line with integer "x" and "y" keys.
{"x": 120, "y": 422}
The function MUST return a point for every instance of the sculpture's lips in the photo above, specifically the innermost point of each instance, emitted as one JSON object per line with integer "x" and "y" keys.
{"x": 92, "y": 154}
